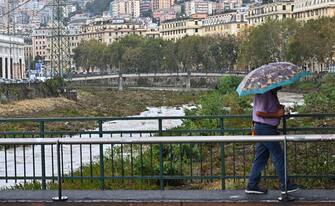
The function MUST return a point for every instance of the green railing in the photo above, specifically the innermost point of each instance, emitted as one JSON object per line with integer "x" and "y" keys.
{"x": 157, "y": 166}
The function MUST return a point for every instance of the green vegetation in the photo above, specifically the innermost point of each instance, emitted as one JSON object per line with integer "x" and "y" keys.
{"x": 323, "y": 99}
{"x": 136, "y": 54}
{"x": 97, "y": 7}
{"x": 306, "y": 44}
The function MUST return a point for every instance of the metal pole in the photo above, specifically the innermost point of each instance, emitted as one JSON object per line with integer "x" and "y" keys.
{"x": 102, "y": 166}
{"x": 60, "y": 197}
{"x": 285, "y": 197}
{"x": 42, "y": 156}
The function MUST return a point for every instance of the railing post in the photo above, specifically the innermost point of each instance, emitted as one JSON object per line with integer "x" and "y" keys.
{"x": 161, "y": 167}
{"x": 160, "y": 126}
{"x": 223, "y": 168}
{"x": 161, "y": 160}
{"x": 59, "y": 179}
{"x": 285, "y": 197}
{"x": 42, "y": 157}
{"x": 102, "y": 165}
{"x": 222, "y": 125}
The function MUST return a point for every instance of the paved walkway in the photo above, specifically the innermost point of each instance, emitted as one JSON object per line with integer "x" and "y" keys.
{"x": 169, "y": 197}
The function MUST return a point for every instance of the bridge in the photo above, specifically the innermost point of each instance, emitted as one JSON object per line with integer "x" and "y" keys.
{"x": 170, "y": 162}
{"x": 183, "y": 79}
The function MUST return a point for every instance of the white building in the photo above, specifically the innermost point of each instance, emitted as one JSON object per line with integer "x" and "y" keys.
{"x": 198, "y": 7}
{"x": 12, "y": 65}
{"x": 312, "y": 9}
{"x": 126, "y": 8}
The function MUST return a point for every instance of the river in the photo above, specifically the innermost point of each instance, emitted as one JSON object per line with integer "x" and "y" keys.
{"x": 31, "y": 165}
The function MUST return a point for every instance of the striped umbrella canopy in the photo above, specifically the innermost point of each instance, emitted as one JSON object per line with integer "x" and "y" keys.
{"x": 270, "y": 76}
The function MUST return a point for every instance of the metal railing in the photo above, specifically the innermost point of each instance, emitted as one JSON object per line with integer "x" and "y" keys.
{"x": 132, "y": 158}
{"x": 221, "y": 140}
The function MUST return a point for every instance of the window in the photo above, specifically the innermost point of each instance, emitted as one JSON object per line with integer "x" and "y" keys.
{"x": 284, "y": 7}
{"x": 196, "y": 30}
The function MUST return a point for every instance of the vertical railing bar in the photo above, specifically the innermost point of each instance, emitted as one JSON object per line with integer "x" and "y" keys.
{"x": 62, "y": 158}
{"x": 42, "y": 156}
{"x": 102, "y": 166}
{"x": 234, "y": 163}
{"x": 191, "y": 162}
{"x": 52, "y": 162}
{"x": 91, "y": 160}
{"x": 295, "y": 157}
{"x": 81, "y": 161}
{"x": 60, "y": 197}
{"x": 211, "y": 158}
{"x": 244, "y": 163}
{"x": 24, "y": 164}
{"x": 34, "y": 165}
{"x": 131, "y": 161}
{"x": 141, "y": 159}
{"x": 113, "y": 165}
{"x": 161, "y": 167}
{"x": 181, "y": 159}
{"x": 6, "y": 164}
{"x": 122, "y": 163}
{"x": 15, "y": 165}
{"x": 171, "y": 156}
{"x": 223, "y": 169}
{"x": 151, "y": 160}
{"x": 71, "y": 160}
{"x": 201, "y": 161}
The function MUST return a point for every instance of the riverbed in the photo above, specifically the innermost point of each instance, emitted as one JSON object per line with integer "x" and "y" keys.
{"x": 76, "y": 156}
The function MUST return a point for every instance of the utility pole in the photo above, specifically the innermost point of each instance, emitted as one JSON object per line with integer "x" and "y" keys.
{"x": 60, "y": 46}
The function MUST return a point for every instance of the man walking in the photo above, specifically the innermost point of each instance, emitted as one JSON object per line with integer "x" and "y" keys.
{"x": 266, "y": 116}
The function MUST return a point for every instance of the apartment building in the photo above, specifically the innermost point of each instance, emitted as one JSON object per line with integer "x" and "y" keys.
{"x": 108, "y": 31}
{"x": 258, "y": 13}
{"x": 41, "y": 43}
{"x": 232, "y": 23}
{"x": 12, "y": 65}
{"x": 177, "y": 29}
{"x": 312, "y": 9}
{"x": 198, "y": 7}
{"x": 126, "y": 8}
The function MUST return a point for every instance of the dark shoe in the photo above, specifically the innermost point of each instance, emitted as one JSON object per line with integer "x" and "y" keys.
{"x": 290, "y": 188}
{"x": 256, "y": 190}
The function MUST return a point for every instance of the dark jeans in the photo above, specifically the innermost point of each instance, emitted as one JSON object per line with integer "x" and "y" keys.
{"x": 263, "y": 151}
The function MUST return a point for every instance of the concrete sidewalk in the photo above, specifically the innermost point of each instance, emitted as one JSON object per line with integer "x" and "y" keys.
{"x": 162, "y": 198}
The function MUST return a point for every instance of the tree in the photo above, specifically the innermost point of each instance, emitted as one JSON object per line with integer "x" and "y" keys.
{"x": 266, "y": 43}
{"x": 169, "y": 57}
{"x": 132, "y": 59}
{"x": 97, "y": 7}
{"x": 190, "y": 53}
{"x": 90, "y": 54}
{"x": 317, "y": 43}
{"x": 222, "y": 52}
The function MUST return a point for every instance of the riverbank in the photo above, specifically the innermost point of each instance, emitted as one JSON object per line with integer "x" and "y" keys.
{"x": 93, "y": 103}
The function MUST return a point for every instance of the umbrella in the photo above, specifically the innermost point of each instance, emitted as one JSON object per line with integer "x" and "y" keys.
{"x": 270, "y": 76}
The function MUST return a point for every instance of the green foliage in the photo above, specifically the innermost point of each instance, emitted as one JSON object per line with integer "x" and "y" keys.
{"x": 266, "y": 43}
{"x": 316, "y": 44}
{"x": 55, "y": 86}
{"x": 322, "y": 101}
{"x": 228, "y": 84}
{"x": 97, "y": 7}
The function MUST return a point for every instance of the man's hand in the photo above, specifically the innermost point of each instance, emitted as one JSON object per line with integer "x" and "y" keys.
{"x": 281, "y": 112}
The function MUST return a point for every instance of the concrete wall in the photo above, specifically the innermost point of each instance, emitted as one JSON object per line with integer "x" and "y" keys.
{"x": 172, "y": 82}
